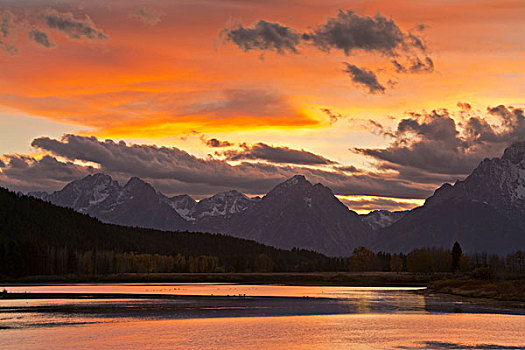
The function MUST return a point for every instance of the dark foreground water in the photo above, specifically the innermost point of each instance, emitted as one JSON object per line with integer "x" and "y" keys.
{"x": 226, "y": 316}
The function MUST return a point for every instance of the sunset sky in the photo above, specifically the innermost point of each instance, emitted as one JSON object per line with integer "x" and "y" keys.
{"x": 382, "y": 101}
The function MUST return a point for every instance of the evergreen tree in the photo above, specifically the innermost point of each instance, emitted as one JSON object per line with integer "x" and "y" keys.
{"x": 456, "y": 256}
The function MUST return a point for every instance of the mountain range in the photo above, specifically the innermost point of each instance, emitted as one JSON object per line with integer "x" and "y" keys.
{"x": 484, "y": 212}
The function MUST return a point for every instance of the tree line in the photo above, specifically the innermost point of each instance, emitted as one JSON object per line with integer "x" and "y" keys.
{"x": 26, "y": 258}
{"x": 429, "y": 260}
{"x": 38, "y": 238}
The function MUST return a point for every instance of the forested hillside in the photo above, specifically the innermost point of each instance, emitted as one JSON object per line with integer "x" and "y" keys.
{"x": 39, "y": 238}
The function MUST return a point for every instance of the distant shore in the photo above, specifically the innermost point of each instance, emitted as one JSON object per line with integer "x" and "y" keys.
{"x": 501, "y": 290}
{"x": 371, "y": 279}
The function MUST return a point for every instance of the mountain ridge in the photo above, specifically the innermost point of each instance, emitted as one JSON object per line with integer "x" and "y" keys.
{"x": 484, "y": 212}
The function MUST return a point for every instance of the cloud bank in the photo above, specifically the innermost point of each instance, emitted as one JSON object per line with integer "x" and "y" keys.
{"x": 437, "y": 145}
{"x": 175, "y": 171}
{"x": 283, "y": 155}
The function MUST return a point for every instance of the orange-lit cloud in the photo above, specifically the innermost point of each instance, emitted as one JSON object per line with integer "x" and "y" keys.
{"x": 155, "y": 73}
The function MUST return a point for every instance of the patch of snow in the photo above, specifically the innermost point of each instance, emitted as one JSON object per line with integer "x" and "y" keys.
{"x": 99, "y": 194}
{"x": 308, "y": 201}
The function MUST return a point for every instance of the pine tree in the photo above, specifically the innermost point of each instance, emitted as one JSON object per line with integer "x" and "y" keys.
{"x": 456, "y": 256}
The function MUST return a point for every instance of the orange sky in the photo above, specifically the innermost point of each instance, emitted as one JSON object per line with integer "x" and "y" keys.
{"x": 165, "y": 76}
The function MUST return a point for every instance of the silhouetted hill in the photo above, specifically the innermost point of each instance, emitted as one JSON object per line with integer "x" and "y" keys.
{"x": 25, "y": 219}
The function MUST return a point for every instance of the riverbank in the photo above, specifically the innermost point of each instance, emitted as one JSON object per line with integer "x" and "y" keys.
{"x": 372, "y": 279}
{"x": 504, "y": 290}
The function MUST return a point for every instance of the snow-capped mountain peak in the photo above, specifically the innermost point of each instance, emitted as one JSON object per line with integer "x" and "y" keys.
{"x": 223, "y": 204}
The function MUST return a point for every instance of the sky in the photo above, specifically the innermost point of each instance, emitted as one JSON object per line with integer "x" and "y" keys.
{"x": 382, "y": 101}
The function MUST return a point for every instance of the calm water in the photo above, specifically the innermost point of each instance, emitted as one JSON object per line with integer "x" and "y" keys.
{"x": 226, "y": 316}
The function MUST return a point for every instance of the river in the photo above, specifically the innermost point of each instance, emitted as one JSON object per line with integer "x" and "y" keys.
{"x": 232, "y": 316}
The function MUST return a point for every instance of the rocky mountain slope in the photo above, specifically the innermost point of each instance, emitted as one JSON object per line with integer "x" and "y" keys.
{"x": 136, "y": 203}
{"x": 294, "y": 214}
{"x": 298, "y": 214}
{"x": 378, "y": 219}
{"x": 485, "y": 212}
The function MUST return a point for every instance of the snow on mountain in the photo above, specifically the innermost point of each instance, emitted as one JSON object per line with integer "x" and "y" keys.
{"x": 484, "y": 212}
{"x": 184, "y": 205}
{"x": 223, "y": 204}
{"x": 299, "y": 214}
{"x": 135, "y": 204}
{"x": 381, "y": 218}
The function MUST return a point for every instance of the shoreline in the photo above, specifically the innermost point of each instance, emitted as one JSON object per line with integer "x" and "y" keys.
{"x": 512, "y": 290}
{"x": 482, "y": 301}
{"x": 351, "y": 279}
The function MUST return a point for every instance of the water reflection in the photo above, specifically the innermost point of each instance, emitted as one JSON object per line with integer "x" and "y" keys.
{"x": 102, "y": 302}
{"x": 226, "y": 316}
{"x": 355, "y": 331}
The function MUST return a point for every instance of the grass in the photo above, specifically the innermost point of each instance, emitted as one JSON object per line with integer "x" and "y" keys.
{"x": 509, "y": 289}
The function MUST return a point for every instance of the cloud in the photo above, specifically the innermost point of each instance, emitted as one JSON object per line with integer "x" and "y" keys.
{"x": 40, "y": 37}
{"x": 333, "y": 117}
{"x": 74, "y": 28}
{"x": 147, "y": 16}
{"x": 10, "y": 49}
{"x": 427, "y": 147}
{"x": 144, "y": 113}
{"x": 349, "y": 32}
{"x": 217, "y": 143}
{"x": 6, "y": 23}
{"x": 263, "y": 36}
{"x": 373, "y": 203}
{"x": 364, "y": 77}
{"x": 283, "y": 155}
{"x": 348, "y": 169}
{"x": 6, "y": 27}
{"x": 174, "y": 171}
{"x": 414, "y": 65}
{"x": 25, "y": 173}
{"x": 464, "y": 106}
{"x": 246, "y": 102}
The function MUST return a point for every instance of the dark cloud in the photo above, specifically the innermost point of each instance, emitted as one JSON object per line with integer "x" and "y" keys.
{"x": 348, "y": 169}
{"x": 282, "y": 155}
{"x": 264, "y": 36}
{"x": 24, "y": 173}
{"x": 217, "y": 143}
{"x": 6, "y": 27}
{"x": 364, "y": 77}
{"x": 174, "y": 171}
{"x": 350, "y": 31}
{"x": 333, "y": 117}
{"x": 430, "y": 147}
{"x": 147, "y": 16}
{"x": 10, "y": 49}
{"x": 40, "y": 37}
{"x": 6, "y": 23}
{"x": 347, "y": 32}
{"x": 74, "y": 28}
{"x": 414, "y": 65}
